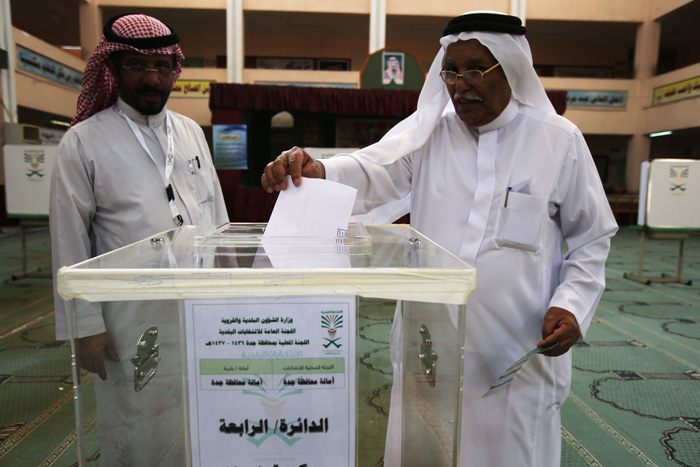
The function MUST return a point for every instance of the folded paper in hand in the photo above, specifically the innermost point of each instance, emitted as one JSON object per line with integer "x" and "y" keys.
{"x": 505, "y": 379}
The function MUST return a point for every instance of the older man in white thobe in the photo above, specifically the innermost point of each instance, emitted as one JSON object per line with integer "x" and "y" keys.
{"x": 489, "y": 171}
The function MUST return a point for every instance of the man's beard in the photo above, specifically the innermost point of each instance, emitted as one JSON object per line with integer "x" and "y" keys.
{"x": 131, "y": 97}
{"x": 151, "y": 107}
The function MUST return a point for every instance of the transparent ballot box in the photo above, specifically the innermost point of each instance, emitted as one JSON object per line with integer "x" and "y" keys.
{"x": 239, "y": 350}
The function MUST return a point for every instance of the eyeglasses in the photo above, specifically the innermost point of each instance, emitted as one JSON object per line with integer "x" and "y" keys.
{"x": 161, "y": 71}
{"x": 470, "y": 76}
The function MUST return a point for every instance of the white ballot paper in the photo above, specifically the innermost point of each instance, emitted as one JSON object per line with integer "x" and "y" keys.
{"x": 510, "y": 373}
{"x": 317, "y": 212}
{"x": 271, "y": 380}
{"x": 315, "y": 208}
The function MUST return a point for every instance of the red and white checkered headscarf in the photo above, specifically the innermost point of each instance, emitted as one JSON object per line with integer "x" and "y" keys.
{"x": 140, "y": 33}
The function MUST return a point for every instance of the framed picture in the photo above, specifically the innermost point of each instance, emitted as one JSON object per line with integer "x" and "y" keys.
{"x": 270, "y": 63}
{"x": 334, "y": 64}
{"x": 392, "y": 67}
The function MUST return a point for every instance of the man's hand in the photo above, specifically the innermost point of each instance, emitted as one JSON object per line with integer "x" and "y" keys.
{"x": 559, "y": 326}
{"x": 295, "y": 162}
{"x": 91, "y": 353}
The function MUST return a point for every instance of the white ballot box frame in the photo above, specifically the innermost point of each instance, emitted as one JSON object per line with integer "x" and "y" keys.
{"x": 669, "y": 190}
{"x": 28, "y": 170}
{"x": 660, "y": 234}
{"x": 668, "y": 210}
{"x": 27, "y": 185}
{"x": 156, "y": 275}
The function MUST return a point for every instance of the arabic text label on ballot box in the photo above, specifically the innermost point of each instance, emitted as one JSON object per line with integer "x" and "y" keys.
{"x": 235, "y": 347}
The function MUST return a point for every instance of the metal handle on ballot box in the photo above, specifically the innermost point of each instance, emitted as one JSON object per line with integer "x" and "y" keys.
{"x": 146, "y": 359}
{"x": 427, "y": 356}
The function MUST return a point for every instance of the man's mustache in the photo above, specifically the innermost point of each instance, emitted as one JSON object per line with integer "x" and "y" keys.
{"x": 465, "y": 96}
{"x": 150, "y": 89}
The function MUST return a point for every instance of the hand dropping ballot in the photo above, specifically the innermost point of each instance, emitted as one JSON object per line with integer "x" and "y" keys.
{"x": 513, "y": 370}
{"x": 315, "y": 208}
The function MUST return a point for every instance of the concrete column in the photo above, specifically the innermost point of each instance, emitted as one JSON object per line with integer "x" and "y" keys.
{"x": 235, "y": 50}
{"x": 91, "y": 24}
{"x": 637, "y": 151}
{"x": 646, "y": 50}
{"x": 518, "y": 8}
{"x": 646, "y": 53}
{"x": 377, "y": 25}
{"x": 9, "y": 88}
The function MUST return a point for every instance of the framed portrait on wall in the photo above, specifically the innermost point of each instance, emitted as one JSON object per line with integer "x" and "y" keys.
{"x": 392, "y": 67}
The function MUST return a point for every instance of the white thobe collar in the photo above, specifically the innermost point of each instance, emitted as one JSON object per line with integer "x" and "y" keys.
{"x": 153, "y": 121}
{"x": 502, "y": 120}
{"x": 486, "y": 156}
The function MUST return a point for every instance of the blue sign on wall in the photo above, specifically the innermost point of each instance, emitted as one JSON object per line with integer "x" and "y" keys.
{"x": 597, "y": 98}
{"x": 32, "y": 61}
{"x": 230, "y": 150}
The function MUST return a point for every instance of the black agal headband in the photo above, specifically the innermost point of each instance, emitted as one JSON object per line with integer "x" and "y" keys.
{"x": 143, "y": 43}
{"x": 485, "y": 22}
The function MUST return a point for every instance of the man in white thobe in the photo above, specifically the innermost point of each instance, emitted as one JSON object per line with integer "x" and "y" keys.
{"x": 127, "y": 169}
{"x": 490, "y": 172}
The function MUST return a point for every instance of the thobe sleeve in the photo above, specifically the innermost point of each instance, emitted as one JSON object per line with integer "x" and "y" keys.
{"x": 220, "y": 206}
{"x": 376, "y": 184}
{"x": 71, "y": 210}
{"x": 220, "y": 212}
{"x": 587, "y": 225}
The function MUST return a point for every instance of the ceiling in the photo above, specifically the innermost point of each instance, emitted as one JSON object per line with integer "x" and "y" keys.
{"x": 678, "y": 28}
{"x": 56, "y": 22}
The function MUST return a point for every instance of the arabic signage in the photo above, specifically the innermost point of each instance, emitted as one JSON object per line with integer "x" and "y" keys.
{"x": 192, "y": 88}
{"x": 28, "y": 179}
{"x": 677, "y": 91}
{"x": 272, "y": 380}
{"x": 597, "y": 98}
{"x": 230, "y": 148}
{"x": 50, "y": 69}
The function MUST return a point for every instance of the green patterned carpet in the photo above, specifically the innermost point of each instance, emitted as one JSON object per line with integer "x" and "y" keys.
{"x": 636, "y": 386}
{"x": 635, "y": 395}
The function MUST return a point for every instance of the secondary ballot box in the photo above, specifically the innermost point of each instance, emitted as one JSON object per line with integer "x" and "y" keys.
{"x": 668, "y": 210}
{"x": 238, "y": 350}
